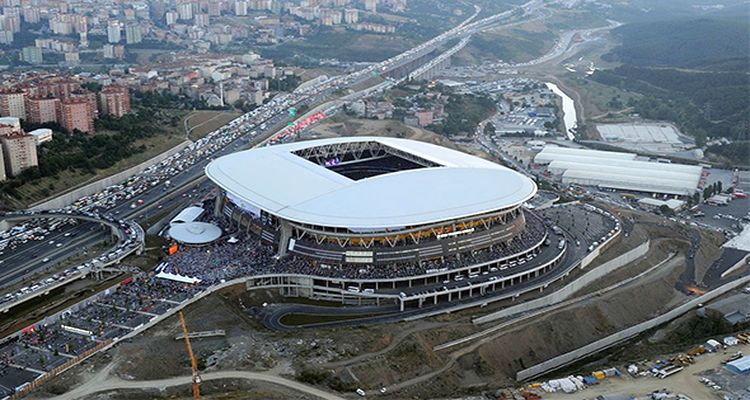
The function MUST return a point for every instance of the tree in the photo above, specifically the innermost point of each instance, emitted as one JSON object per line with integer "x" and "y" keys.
{"x": 665, "y": 210}
{"x": 489, "y": 128}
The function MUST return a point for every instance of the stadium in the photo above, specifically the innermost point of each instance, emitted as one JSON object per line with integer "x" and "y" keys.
{"x": 371, "y": 200}
{"x": 380, "y": 219}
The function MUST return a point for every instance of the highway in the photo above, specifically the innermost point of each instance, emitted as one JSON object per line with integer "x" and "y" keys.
{"x": 256, "y": 127}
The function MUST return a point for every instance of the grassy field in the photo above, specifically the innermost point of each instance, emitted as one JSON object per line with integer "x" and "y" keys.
{"x": 524, "y": 41}
{"x": 202, "y": 122}
{"x": 344, "y": 45}
{"x": 601, "y": 103}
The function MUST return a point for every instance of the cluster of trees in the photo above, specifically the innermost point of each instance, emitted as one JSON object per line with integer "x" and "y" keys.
{"x": 285, "y": 84}
{"x": 517, "y": 45}
{"x": 689, "y": 72}
{"x": 702, "y": 104}
{"x": 85, "y": 153}
{"x": 328, "y": 42}
{"x": 712, "y": 189}
{"x": 165, "y": 99}
{"x": 465, "y": 112}
{"x": 738, "y": 153}
{"x": 702, "y": 43}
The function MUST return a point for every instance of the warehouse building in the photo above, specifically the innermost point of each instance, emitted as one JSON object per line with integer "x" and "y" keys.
{"x": 616, "y": 170}
{"x": 741, "y": 366}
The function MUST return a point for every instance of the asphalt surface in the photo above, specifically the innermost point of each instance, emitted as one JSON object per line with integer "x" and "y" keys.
{"x": 157, "y": 194}
{"x": 26, "y": 260}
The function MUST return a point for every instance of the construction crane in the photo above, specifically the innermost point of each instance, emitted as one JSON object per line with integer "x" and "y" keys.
{"x": 196, "y": 374}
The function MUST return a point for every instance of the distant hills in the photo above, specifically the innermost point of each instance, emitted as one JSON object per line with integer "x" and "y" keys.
{"x": 691, "y": 71}
{"x": 703, "y": 43}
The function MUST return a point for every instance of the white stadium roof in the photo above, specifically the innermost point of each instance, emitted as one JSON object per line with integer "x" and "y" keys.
{"x": 194, "y": 232}
{"x": 278, "y": 181}
{"x": 188, "y": 214}
{"x": 619, "y": 171}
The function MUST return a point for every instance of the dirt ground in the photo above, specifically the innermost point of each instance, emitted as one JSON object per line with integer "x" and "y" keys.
{"x": 224, "y": 389}
{"x": 201, "y": 122}
{"x": 685, "y": 382}
{"x": 398, "y": 356}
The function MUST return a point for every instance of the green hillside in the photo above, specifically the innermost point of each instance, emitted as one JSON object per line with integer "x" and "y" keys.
{"x": 705, "y": 43}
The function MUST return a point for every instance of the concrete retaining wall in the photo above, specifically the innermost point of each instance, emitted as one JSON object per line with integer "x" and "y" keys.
{"x": 611, "y": 340}
{"x": 568, "y": 290}
{"x": 73, "y": 195}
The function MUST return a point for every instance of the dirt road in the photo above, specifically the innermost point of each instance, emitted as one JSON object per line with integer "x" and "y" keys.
{"x": 102, "y": 382}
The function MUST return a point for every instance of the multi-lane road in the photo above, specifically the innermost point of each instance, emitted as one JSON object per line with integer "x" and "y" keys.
{"x": 265, "y": 121}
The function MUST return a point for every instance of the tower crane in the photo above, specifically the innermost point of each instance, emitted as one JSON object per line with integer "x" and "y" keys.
{"x": 196, "y": 373}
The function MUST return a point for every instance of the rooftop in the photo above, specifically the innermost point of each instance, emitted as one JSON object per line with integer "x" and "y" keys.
{"x": 302, "y": 182}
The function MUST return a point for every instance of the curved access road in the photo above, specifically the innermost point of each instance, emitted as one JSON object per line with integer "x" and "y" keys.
{"x": 111, "y": 383}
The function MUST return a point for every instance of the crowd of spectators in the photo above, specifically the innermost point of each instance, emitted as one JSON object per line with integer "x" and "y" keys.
{"x": 226, "y": 261}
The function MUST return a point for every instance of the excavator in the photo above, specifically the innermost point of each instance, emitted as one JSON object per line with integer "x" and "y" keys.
{"x": 196, "y": 373}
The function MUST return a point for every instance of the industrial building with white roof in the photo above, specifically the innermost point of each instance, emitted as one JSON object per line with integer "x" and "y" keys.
{"x": 616, "y": 170}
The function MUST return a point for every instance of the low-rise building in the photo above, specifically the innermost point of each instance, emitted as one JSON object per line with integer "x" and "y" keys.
{"x": 41, "y": 135}
{"x": 734, "y": 309}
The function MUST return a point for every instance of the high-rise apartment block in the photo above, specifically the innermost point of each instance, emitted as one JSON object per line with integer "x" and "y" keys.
{"x": 9, "y": 125}
{"x": 351, "y": 16}
{"x": 12, "y": 103}
{"x": 133, "y": 34}
{"x": 19, "y": 152}
{"x": 185, "y": 11}
{"x": 371, "y": 5}
{"x": 32, "y": 55}
{"x": 40, "y": 110}
{"x": 31, "y": 15}
{"x": 240, "y": 8}
{"x": 2, "y": 167}
{"x": 75, "y": 114}
{"x": 114, "y": 32}
{"x": 114, "y": 100}
{"x": 171, "y": 17}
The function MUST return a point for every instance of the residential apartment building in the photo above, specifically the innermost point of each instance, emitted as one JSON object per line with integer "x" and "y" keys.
{"x": 114, "y": 100}
{"x": 42, "y": 109}
{"x": 75, "y": 113}
{"x": 32, "y": 55}
{"x": 19, "y": 152}
{"x": 12, "y": 104}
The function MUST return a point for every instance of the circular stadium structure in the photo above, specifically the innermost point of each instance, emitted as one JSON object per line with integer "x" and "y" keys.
{"x": 372, "y": 200}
